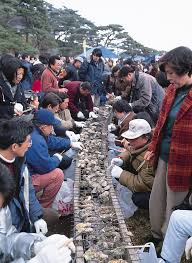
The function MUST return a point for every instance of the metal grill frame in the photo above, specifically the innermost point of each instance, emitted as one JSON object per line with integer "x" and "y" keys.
{"x": 131, "y": 253}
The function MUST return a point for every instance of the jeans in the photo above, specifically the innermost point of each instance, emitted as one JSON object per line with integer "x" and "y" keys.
{"x": 178, "y": 231}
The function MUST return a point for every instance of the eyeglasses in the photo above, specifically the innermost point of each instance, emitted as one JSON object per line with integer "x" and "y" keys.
{"x": 27, "y": 141}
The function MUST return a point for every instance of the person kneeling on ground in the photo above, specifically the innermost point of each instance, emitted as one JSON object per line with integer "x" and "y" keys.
{"x": 43, "y": 167}
{"x": 124, "y": 114}
{"x": 26, "y": 247}
{"x": 80, "y": 101}
{"x": 64, "y": 115}
{"x": 135, "y": 174}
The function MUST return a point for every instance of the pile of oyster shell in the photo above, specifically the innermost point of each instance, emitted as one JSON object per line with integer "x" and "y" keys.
{"x": 99, "y": 223}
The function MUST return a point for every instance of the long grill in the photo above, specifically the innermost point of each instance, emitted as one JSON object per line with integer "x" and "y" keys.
{"x": 106, "y": 237}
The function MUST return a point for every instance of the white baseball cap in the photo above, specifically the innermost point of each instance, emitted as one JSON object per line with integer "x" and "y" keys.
{"x": 137, "y": 128}
{"x": 79, "y": 59}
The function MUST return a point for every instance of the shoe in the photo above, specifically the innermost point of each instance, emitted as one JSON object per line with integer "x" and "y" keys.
{"x": 154, "y": 240}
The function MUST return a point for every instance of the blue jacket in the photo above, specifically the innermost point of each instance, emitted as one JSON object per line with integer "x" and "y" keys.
{"x": 26, "y": 83}
{"x": 23, "y": 209}
{"x": 93, "y": 72}
{"x": 39, "y": 160}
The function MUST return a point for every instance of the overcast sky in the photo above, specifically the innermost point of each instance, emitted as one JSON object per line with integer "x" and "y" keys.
{"x": 159, "y": 24}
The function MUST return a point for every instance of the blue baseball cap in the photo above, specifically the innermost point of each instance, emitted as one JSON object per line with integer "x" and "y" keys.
{"x": 44, "y": 116}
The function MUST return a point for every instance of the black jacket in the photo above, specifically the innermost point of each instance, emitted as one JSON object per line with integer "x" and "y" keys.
{"x": 7, "y": 101}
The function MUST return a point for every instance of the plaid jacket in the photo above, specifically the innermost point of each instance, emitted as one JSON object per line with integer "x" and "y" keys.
{"x": 180, "y": 155}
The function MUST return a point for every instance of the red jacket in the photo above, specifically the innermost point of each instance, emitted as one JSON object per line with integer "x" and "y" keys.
{"x": 180, "y": 155}
{"x": 75, "y": 96}
{"x": 49, "y": 81}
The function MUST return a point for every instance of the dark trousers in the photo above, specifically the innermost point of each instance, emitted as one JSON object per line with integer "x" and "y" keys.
{"x": 141, "y": 199}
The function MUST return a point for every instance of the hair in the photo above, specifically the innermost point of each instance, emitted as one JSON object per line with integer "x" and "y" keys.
{"x": 179, "y": 59}
{"x": 7, "y": 184}
{"x": 114, "y": 70}
{"x": 123, "y": 72}
{"x": 162, "y": 79}
{"x": 63, "y": 96}
{"x": 13, "y": 131}
{"x": 145, "y": 116}
{"x": 52, "y": 60}
{"x": 97, "y": 52}
{"x": 43, "y": 59}
{"x": 122, "y": 106}
{"x": 128, "y": 61}
{"x": 9, "y": 66}
{"x": 85, "y": 85}
{"x": 50, "y": 99}
{"x": 24, "y": 55}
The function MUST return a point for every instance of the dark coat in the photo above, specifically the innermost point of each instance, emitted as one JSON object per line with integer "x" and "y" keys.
{"x": 26, "y": 82}
{"x": 7, "y": 101}
{"x": 72, "y": 73}
{"x": 75, "y": 97}
{"x": 93, "y": 72}
{"x": 146, "y": 95}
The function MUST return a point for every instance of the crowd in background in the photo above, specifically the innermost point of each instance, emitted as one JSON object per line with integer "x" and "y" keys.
{"x": 44, "y": 104}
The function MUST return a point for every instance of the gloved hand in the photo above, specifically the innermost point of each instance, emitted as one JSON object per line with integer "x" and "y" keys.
{"x": 18, "y": 109}
{"x": 52, "y": 254}
{"x": 80, "y": 115}
{"x": 80, "y": 124}
{"x": 117, "y": 161}
{"x": 117, "y": 98}
{"x": 188, "y": 247}
{"x": 41, "y": 226}
{"x": 59, "y": 156}
{"x": 111, "y": 127}
{"x": 93, "y": 115}
{"x": 72, "y": 136}
{"x": 77, "y": 145}
{"x": 116, "y": 172}
{"x": 63, "y": 90}
{"x": 54, "y": 240}
{"x": 95, "y": 109}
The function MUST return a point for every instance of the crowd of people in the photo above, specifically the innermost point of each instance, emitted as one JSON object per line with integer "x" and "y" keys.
{"x": 44, "y": 105}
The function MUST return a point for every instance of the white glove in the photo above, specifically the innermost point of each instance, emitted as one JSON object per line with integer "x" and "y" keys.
{"x": 72, "y": 136}
{"x": 117, "y": 161}
{"x": 116, "y": 172}
{"x": 93, "y": 115}
{"x": 95, "y": 109}
{"x": 80, "y": 115}
{"x": 80, "y": 124}
{"x": 188, "y": 248}
{"x": 111, "y": 127}
{"x": 41, "y": 226}
{"x": 77, "y": 145}
{"x": 59, "y": 156}
{"x": 52, "y": 254}
{"x": 54, "y": 240}
{"x": 18, "y": 108}
{"x": 117, "y": 98}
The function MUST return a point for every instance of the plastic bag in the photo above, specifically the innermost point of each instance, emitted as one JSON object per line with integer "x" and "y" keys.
{"x": 63, "y": 202}
{"x": 125, "y": 199}
{"x": 148, "y": 254}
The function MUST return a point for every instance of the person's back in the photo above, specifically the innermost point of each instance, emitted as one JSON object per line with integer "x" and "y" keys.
{"x": 155, "y": 91}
